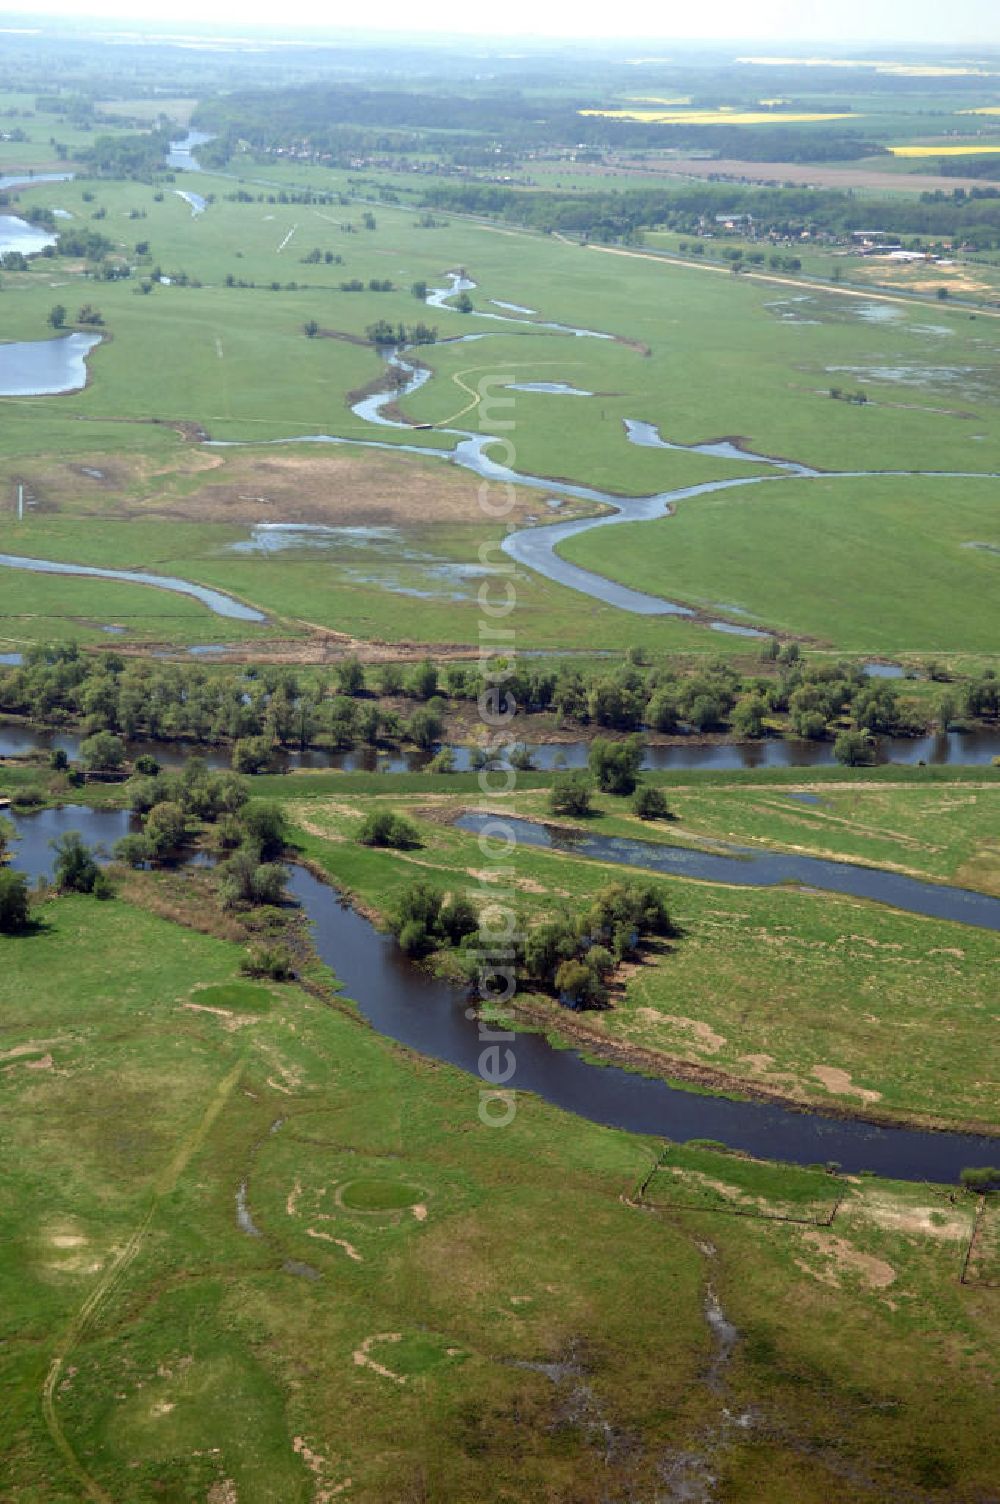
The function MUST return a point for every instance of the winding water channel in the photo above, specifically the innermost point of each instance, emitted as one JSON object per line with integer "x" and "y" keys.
{"x": 215, "y": 600}
{"x": 535, "y": 548}
{"x": 431, "y": 1016}
{"x": 752, "y": 867}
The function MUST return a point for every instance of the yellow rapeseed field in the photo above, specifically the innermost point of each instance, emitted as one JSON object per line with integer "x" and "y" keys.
{"x": 722, "y": 116}
{"x": 942, "y": 151}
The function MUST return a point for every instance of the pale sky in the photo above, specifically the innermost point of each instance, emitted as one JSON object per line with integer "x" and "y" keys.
{"x": 783, "y": 23}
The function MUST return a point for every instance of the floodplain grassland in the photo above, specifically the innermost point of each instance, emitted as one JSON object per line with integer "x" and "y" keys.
{"x": 413, "y": 1283}
{"x": 879, "y": 564}
{"x": 234, "y": 361}
{"x": 253, "y": 1252}
{"x": 799, "y": 994}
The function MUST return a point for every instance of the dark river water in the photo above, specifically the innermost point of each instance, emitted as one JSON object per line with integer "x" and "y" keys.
{"x": 965, "y": 748}
{"x": 758, "y": 869}
{"x": 431, "y": 1016}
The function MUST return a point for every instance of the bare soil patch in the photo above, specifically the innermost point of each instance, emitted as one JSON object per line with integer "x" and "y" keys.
{"x": 344, "y": 488}
{"x": 876, "y": 1273}
{"x": 339, "y": 489}
{"x": 803, "y": 174}
{"x": 839, "y": 1081}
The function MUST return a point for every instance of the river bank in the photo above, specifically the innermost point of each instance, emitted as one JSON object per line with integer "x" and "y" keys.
{"x": 431, "y": 1015}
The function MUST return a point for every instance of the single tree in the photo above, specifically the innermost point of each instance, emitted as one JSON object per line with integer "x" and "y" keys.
{"x": 15, "y": 913}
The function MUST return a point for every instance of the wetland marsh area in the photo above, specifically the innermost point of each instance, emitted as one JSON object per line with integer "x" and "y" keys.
{"x": 316, "y": 374}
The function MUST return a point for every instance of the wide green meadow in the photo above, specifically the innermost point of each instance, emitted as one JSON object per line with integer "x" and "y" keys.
{"x": 273, "y": 1226}
{"x": 255, "y": 1252}
{"x": 234, "y": 362}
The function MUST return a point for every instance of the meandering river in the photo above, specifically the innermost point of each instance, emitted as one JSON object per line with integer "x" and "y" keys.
{"x": 535, "y": 548}
{"x": 756, "y": 868}
{"x": 431, "y": 1016}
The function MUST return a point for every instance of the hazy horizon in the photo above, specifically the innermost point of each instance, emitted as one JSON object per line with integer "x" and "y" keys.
{"x": 775, "y": 25}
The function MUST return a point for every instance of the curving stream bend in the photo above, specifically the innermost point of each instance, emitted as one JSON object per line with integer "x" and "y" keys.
{"x": 535, "y": 548}
{"x": 432, "y": 1016}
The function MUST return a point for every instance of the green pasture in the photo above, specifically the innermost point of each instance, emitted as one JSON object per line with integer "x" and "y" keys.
{"x": 188, "y": 1374}
{"x": 805, "y": 993}
{"x": 702, "y": 355}
{"x": 874, "y": 564}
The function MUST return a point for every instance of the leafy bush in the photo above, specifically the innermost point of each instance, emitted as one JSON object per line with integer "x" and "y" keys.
{"x": 650, "y": 804}
{"x": 273, "y": 961}
{"x": 247, "y": 880}
{"x": 615, "y": 765}
{"x": 855, "y": 749}
{"x": 265, "y": 828}
{"x": 570, "y": 795}
{"x": 981, "y": 1178}
{"x": 251, "y": 754}
{"x": 383, "y": 827}
{"x": 103, "y": 752}
{"x": 577, "y": 986}
{"x": 15, "y": 914}
{"x": 28, "y": 797}
{"x": 442, "y": 762}
{"x": 415, "y": 939}
{"x": 75, "y": 871}
{"x": 133, "y": 850}
{"x": 166, "y": 827}
{"x": 424, "y": 922}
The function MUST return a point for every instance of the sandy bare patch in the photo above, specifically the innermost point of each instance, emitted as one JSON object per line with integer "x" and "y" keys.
{"x": 292, "y": 1199}
{"x": 32, "y": 1047}
{"x": 79, "y": 1264}
{"x": 318, "y": 1465}
{"x": 349, "y": 1248}
{"x": 948, "y": 950}
{"x": 346, "y": 489}
{"x": 704, "y": 1035}
{"x": 361, "y": 1356}
{"x": 231, "y": 1021}
{"x": 162, "y": 1407}
{"x": 839, "y": 1082}
{"x": 419, "y": 1211}
{"x": 223, "y": 1492}
{"x": 759, "y": 1062}
{"x": 926, "y": 1221}
{"x": 875, "y": 1272}
{"x": 311, "y": 827}
{"x": 487, "y": 875}
{"x": 290, "y": 1076}
{"x": 43, "y": 1063}
{"x": 68, "y": 1240}
{"x": 825, "y": 1276}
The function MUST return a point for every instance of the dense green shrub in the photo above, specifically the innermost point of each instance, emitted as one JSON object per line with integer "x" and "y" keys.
{"x": 383, "y": 827}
